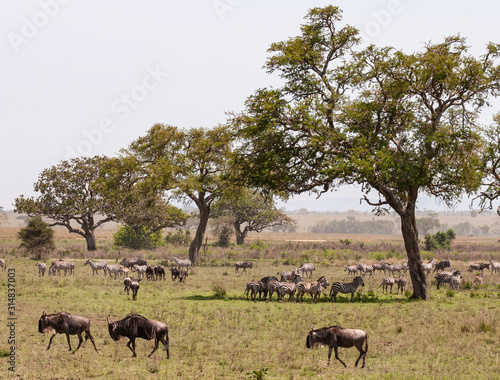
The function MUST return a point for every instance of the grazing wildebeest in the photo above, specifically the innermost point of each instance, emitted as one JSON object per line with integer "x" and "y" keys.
{"x": 150, "y": 272}
{"x": 175, "y": 272}
{"x": 242, "y": 265}
{"x": 127, "y": 281}
{"x": 442, "y": 265}
{"x": 96, "y": 266}
{"x": 134, "y": 285}
{"x": 65, "y": 323}
{"x": 136, "y": 326}
{"x": 42, "y": 267}
{"x": 160, "y": 272}
{"x": 2, "y": 264}
{"x": 479, "y": 267}
{"x": 335, "y": 337}
{"x": 183, "y": 274}
{"x": 129, "y": 263}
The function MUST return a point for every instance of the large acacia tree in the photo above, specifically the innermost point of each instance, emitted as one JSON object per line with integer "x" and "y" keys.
{"x": 397, "y": 124}
{"x": 68, "y": 198}
{"x": 190, "y": 164}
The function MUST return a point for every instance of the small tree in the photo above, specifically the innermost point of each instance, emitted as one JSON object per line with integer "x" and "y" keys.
{"x": 37, "y": 236}
{"x": 424, "y": 225}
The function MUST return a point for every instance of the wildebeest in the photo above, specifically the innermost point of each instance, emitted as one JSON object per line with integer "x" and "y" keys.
{"x": 183, "y": 274}
{"x": 42, "y": 267}
{"x": 479, "y": 267}
{"x": 134, "y": 286}
{"x": 129, "y": 263}
{"x": 136, "y": 326}
{"x": 150, "y": 272}
{"x": 442, "y": 265}
{"x": 175, "y": 272}
{"x": 242, "y": 265}
{"x": 159, "y": 272}
{"x": 335, "y": 337}
{"x": 65, "y": 323}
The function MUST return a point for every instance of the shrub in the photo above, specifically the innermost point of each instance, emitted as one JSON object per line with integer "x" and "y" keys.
{"x": 219, "y": 290}
{"x": 440, "y": 240}
{"x": 137, "y": 238}
{"x": 37, "y": 236}
{"x": 180, "y": 238}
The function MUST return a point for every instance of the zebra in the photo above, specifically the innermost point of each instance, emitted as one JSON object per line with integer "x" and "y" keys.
{"x": 455, "y": 281}
{"x": 272, "y": 286}
{"x": 42, "y": 267}
{"x": 381, "y": 267}
{"x": 351, "y": 269}
{"x": 97, "y": 266}
{"x": 495, "y": 267}
{"x": 401, "y": 281}
{"x": 288, "y": 288}
{"x": 3, "y": 265}
{"x": 288, "y": 276}
{"x": 427, "y": 267}
{"x": 405, "y": 268}
{"x": 58, "y": 265}
{"x": 392, "y": 268}
{"x": 182, "y": 263}
{"x": 313, "y": 289}
{"x": 345, "y": 288}
{"x": 114, "y": 269}
{"x": 386, "y": 282}
{"x": 254, "y": 287}
{"x": 141, "y": 270}
{"x": 305, "y": 268}
{"x": 445, "y": 277}
{"x": 363, "y": 268}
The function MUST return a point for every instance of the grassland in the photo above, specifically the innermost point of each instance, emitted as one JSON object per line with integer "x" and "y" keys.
{"x": 216, "y": 333}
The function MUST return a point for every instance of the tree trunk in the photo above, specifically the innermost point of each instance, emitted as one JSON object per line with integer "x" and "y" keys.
{"x": 194, "y": 248}
{"x": 90, "y": 239}
{"x": 410, "y": 237}
{"x": 240, "y": 235}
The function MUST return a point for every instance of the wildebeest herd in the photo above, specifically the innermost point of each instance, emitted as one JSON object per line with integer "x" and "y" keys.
{"x": 291, "y": 283}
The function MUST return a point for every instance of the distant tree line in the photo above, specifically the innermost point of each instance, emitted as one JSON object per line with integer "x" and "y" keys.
{"x": 353, "y": 226}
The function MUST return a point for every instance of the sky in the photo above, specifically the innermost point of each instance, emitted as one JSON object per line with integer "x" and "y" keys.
{"x": 84, "y": 78}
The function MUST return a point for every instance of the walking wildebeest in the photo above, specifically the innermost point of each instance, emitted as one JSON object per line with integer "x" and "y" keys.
{"x": 134, "y": 285}
{"x": 175, "y": 272}
{"x": 65, "y": 323}
{"x": 242, "y": 265}
{"x": 129, "y": 263}
{"x": 335, "y": 337}
{"x": 441, "y": 266}
{"x": 136, "y": 326}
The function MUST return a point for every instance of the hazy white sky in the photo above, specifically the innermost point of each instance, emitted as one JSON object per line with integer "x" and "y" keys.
{"x": 88, "y": 77}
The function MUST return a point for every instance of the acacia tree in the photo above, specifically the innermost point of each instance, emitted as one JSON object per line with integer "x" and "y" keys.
{"x": 491, "y": 184}
{"x": 68, "y": 197}
{"x": 249, "y": 211}
{"x": 397, "y": 124}
{"x": 190, "y": 163}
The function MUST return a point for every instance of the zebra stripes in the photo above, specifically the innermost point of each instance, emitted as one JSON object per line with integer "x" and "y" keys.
{"x": 345, "y": 288}
{"x": 289, "y": 288}
{"x": 446, "y": 277}
{"x": 314, "y": 289}
{"x": 307, "y": 268}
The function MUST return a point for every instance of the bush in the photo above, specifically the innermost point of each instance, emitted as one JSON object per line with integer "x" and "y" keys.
{"x": 440, "y": 240}
{"x": 137, "y": 238}
{"x": 37, "y": 236}
{"x": 180, "y": 238}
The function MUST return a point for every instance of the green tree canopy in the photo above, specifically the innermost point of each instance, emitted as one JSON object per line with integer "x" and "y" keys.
{"x": 249, "y": 211}
{"x": 397, "y": 124}
{"x": 191, "y": 164}
{"x": 68, "y": 197}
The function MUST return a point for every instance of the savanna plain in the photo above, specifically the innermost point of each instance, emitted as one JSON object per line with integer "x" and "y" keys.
{"x": 216, "y": 333}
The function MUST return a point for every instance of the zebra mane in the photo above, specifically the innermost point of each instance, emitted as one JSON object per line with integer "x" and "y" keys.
{"x": 320, "y": 278}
